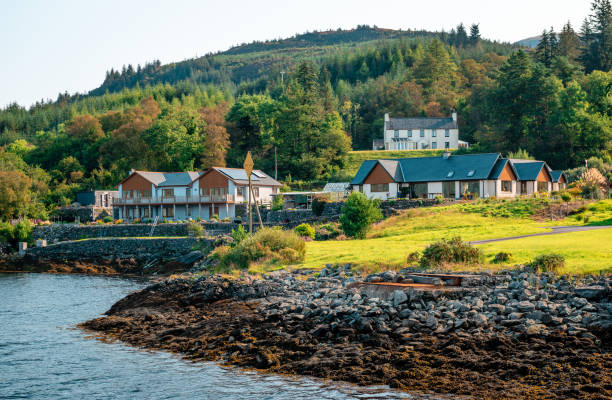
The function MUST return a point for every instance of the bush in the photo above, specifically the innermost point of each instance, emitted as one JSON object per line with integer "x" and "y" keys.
{"x": 358, "y": 215}
{"x": 548, "y": 263}
{"x": 502, "y": 257}
{"x": 7, "y": 233}
{"x": 23, "y": 231}
{"x": 327, "y": 231}
{"x": 238, "y": 234}
{"x": 305, "y": 230}
{"x": 565, "y": 195}
{"x": 107, "y": 220}
{"x": 318, "y": 206}
{"x": 289, "y": 256}
{"x": 277, "y": 203}
{"x": 413, "y": 257}
{"x": 439, "y": 199}
{"x": 450, "y": 252}
{"x": 118, "y": 221}
{"x": 262, "y": 246}
{"x": 195, "y": 229}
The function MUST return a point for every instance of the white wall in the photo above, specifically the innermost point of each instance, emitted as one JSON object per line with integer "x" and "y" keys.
{"x": 414, "y": 141}
{"x": 391, "y": 194}
{"x": 434, "y": 188}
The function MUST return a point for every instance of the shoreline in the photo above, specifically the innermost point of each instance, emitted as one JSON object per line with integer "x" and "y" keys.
{"x": 306, "y": 326}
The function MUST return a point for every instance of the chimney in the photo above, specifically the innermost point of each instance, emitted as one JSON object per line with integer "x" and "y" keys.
{"x": 454, "y": 115}
{"x": 386, "y": 117}
{"x": 132, "y": 171}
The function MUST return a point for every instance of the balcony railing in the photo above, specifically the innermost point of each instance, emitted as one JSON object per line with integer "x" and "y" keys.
{"x": 225, "y": 198}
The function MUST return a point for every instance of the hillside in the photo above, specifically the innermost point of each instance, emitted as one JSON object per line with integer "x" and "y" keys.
{"x": 256, "y": 60}
{"x": 530, "y": 42}
{"x": 356, "y": 158}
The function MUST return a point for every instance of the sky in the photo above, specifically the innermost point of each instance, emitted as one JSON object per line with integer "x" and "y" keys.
{"x": 48, "y": 47}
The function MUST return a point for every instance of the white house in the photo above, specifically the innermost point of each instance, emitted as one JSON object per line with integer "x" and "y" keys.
{"x": 419, "y": 133}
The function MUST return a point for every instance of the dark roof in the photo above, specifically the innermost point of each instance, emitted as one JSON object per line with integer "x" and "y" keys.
{"x": 420, "y": 123}
{"x": 556, "y": 175}
{"x": 499, "y": 167}
{"x": 169, "y": 178}
{"x": 433, "y": 169}
{"x": 528, "y": 170}
{"x": 239, "y": 176}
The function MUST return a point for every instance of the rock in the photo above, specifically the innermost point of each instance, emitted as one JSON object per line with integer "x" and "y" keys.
{"x": 591, "y": 292}
{"x": 458, "y": 323}
{"x": 579, "y": 302}
{"x": 535, "y": 329}
{"x": 497, "y": 308}
{"x": 480, "y": 320}
{"x": 399, "y": 297}
{"x": 525, "y": 306}
{"x": 535, "y": 315}
{"x": 431, "y": 322}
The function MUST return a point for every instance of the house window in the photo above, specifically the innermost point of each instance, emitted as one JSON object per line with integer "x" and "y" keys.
{"x": 446, "y": 145}
{"x": 470, "y": 189}
{"x": 128, "y": 194}
{"x": 167, "y": 192}
{"x": 256, "y": 192}
{"x": 542, "y": 186}
{"x": 523, "y": 187}
{"x": 396, "y": 134}
{"x": 448, "y": 189}
{"x": 241, "y": 191}
{"x": 203, "y": 191}
{"x": 418, "y": 190}
{"x": 168, "y": 212}
{"x": 446, "y": 133}
{"x": 409, "y": 133}
{"x": 379, "y": 187}
{"x": 145, "y": 213}
{"x": 506, "y": 186}
{"x": 422, "y": 132}
{"x": 433, "y": 133}
{"x": 434, "y": 145}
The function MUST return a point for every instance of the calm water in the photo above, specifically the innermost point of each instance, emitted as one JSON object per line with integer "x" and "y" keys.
{"x": 43, "y": 355}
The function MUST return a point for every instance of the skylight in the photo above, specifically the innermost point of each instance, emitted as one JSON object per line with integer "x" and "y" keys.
{"x": 471, "y": 172}
{"x": 259, "y": 174}
{"x": 450, "y": 174}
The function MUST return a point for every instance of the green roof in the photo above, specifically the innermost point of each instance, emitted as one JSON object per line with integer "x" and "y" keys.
{"x": 528, "y": 170}
{"x": 556, "y": 175}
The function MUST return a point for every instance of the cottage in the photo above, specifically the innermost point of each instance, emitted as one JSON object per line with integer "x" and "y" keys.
{"x": 558, "y": 180}
{"x": 452, "y": 176}
{"x": 419, "y": 133}
{"x": 183, "y": 195}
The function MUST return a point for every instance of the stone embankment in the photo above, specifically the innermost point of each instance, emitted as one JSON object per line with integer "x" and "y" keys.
{"x": 510, "y": 335}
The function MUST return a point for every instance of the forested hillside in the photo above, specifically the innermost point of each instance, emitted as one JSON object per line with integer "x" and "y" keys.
{"x": 313, "y": 98}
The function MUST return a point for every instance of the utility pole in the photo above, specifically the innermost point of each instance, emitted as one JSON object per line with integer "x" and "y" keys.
{"x": 275, "y": 165}
{"x": 248, "y": 168}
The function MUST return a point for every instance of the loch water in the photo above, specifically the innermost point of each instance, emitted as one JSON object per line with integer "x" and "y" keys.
{"x": 43, "y": 355}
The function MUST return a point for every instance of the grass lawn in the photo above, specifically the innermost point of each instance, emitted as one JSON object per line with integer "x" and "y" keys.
{"x": 390, "y": 241}
{"x": 356, "y": 158}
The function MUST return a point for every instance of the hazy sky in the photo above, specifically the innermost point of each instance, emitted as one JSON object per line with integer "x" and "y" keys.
{"x": 47, "y": 47}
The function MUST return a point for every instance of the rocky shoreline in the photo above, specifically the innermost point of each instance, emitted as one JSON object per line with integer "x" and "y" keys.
{"x": 510, "y": 335}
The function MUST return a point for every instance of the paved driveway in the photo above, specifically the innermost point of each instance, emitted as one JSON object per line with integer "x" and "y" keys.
{"x": 555, "y": 231}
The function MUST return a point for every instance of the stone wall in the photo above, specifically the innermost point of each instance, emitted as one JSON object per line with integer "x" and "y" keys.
{"x": 113, "y": 248}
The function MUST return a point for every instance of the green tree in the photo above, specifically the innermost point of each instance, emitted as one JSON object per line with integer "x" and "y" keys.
{"x": 358, "y": 215}
{"x": 596, "y": 35}
{"x": 569, "y": 43}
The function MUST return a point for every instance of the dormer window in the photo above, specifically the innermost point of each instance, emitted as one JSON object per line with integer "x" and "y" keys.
{"x": 422, "y": 132}
{"x": 433, "y": 133}
{"x": 396, "y": 134}
{"x": 471, "y": 172}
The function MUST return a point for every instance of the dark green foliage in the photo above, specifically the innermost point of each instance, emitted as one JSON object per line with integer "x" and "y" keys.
{"x": 452, "y": 251}
{"x": 195, "y": 229}
{"x": 358, "y": 215}
{"x": 277, "y": 203}
{"x": 318, "y": 206}
{"x": 305, "y": 230}
{"x": 566, "y": 196}
{"x": 413, "y": 257}
{"x": 548, "y": 263}
{"x": 502, "y": 257}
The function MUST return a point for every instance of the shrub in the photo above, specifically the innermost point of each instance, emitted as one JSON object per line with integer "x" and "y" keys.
{"x": 318, "y": 205}
{"x": 277, "y": 203}
{"x": 439, "y": 199}
{"x": 305, "y": 230}
{"x": 238, "y": 234}
{"x": 404, "y": 191}
{"x": 7, "y": 233}
{"x": 548, "y": 263}
{"x": 289, "y": 256}
{"x": 565, "y": 195}
{"x": 195, "y": 229}
{"x": 107, "y": 220}
{"x": 358, "y": 215}
{"x": 413, "y": 257}
{"x": 136, "y": 221}
{"x": 262, "y": 246}
{"x": 118, "y": 221}
{"x": 327, "y": 231}
{"x": 449, "y": 252}
{"x": 23, "y": 231}
{"x": 502, "y": 257}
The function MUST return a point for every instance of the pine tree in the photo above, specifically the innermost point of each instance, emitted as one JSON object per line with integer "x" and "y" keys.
{"x": 474, "y": 34}
{"x": 569, "y": 43}
{"x": 596, "y": 35}
{"x": 462, "y": 38}
{"x": 548, "y": 48}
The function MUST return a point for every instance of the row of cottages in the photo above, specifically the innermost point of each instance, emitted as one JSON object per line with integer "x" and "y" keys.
{"x": 184, "y": 195}
{"x": 455, "y": 176}
{"x": 419, "y": 133}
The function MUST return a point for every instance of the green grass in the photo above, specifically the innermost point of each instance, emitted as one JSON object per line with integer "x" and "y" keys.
{"x": 356, "y": 158}
{"x": 392, "y": 240}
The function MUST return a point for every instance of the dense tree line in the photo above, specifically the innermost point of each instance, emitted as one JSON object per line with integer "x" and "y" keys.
{"x": 554, "y": 102}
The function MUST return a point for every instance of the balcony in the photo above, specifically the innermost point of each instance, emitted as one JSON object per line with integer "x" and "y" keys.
{"x": 143, "y": 201}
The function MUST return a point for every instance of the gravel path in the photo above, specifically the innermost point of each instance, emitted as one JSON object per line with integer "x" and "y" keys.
{"x": 555, "y": 231}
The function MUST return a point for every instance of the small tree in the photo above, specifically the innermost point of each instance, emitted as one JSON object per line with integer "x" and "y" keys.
{"x": 358, "y": 215}
{"x": 277, "y": 203}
